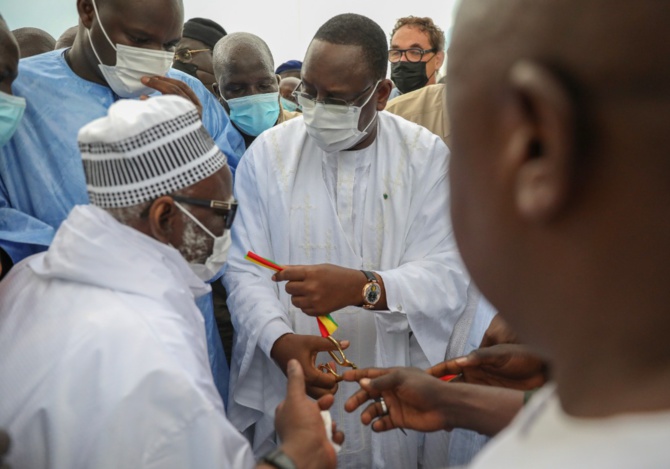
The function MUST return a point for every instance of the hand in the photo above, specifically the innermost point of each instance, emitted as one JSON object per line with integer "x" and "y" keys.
{"x": 304, "y": 348}
{"x": 167, "y": 85}
{"x": 412, "y": 396}
{"x": 300, "y": 427}
{"x": 498, "y": 332}
{"x": 323, "y": 288}
{"x": 417, "y": 400}
{"x": 505, "y": 365}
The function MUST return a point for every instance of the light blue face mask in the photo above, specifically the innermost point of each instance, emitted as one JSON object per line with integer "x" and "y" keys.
{"x": 288, "y": 105}
{"x": 256, "y": 113}
{"x": 11, "y": 112}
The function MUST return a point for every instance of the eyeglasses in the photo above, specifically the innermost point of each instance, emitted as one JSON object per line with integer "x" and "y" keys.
{"x": 339, "y": 358}
{"x": 186, "y": 55}
{"x": 334, "y": 104}
{"x": 225, "y": 209}
{"x": 412, "y": 55}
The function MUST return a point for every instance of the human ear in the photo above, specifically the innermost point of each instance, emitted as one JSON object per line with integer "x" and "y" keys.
{"x": 541, "y": 144}
{"x": 383, "y": 91}
{"x": 439, "y": 59}
{"x": 162, "y": 220}
{"x": 86, "y": 12}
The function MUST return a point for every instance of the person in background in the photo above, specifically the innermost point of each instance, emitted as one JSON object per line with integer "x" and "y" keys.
{"x": 12, "y": 107}
{"x": 416, "y": 53}
{"x": 290, "y": 68}
{"x": 426, "y": 107}
{"x": 112, "y": 303}
{"x": 194, "y": 51}
{"x": 351, "y": 201}
{"x": 247, "y": 85}
{"x": 41, "y": 174}
{"x": 286, "y": 88}
{"x": 33, "y": 41}
{"x": 561, "y": 210}
{"x": 67, "y": 38}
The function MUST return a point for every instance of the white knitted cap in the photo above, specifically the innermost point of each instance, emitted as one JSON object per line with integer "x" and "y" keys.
{"x": 145, "y": 149}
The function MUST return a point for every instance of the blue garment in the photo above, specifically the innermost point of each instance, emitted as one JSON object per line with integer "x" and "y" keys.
{"x": 41, "y": 173}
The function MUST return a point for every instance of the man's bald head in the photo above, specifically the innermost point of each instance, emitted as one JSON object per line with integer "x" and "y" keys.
{"x": 33, "y": 41}
{"x": 559, "y": 135}
{"x": 235, "y": 49}
{"x": 67, "y": 38}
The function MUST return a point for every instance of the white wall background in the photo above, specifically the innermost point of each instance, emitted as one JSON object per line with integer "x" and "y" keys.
{"x": 286, "y": 25}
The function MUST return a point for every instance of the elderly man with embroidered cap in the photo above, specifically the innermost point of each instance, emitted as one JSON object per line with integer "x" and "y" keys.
{"x": 123, "y": 49}
{"x": 194, "y": 51}
{"x": 120, "y": 376}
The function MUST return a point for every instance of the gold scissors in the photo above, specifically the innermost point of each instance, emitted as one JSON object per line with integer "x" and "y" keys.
{"x": 339, "y": 357}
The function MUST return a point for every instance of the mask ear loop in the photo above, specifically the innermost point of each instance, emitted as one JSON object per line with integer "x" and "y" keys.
{"x": 366, "y": 102}
{"x": 195, "y": 220}
{"x": 97, "y": 15}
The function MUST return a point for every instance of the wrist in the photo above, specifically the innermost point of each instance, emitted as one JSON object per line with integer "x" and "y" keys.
{"x": 278, "y": 459}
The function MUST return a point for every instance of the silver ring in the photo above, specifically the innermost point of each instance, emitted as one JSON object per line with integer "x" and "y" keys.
{"x": 385, "y": 409}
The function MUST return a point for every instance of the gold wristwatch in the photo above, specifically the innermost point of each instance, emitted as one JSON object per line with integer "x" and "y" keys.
{"x": 372, "y": 291}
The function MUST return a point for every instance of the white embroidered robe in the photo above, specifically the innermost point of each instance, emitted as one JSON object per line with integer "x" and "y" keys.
{"x": 384, "y": 208}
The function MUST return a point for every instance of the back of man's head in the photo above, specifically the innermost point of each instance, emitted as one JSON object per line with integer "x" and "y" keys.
{"x": 67, "y": 38}
{"x": 573, "y": 129}
{"x": 350, "y": 29}
{"x": 33, "y": 41}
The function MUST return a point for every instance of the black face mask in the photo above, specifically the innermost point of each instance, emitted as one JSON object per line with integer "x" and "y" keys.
{"x": 409, "y": 76}
{"x": 191, "y": 69}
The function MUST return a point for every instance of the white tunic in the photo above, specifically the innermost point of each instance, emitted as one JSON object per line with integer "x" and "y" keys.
{"x": 384, "y": 208}
{"x": 543, "y": 436}
{"x": 104, "y": 359}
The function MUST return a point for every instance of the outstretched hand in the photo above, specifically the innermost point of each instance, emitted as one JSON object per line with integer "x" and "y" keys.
{"x": 412, "y": 396}
{"x": 300, "y": 427}
{"x": 506, "y": 365}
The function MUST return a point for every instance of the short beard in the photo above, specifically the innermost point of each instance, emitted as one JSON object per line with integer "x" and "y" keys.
{"x": 194, "y": 247}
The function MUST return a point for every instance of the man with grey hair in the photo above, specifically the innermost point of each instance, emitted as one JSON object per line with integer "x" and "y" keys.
{"x": 120, "y": 375}
{"x": 247, "y": 85}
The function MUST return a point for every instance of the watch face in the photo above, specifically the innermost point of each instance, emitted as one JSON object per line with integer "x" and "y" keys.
{"x": 372, "y": 292}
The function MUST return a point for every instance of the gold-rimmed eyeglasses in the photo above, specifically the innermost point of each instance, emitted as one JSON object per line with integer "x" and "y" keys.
{"x": 186, "y": 55}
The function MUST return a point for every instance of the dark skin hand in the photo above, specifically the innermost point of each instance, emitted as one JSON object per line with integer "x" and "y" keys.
{"x": 304, "y": 349}
{"x": 323, "y": 288}
{"x": 300, "y": 427}
{"x": 417, "y": 400}
{"x": 498, "y": 332}
{"x": 167, "y": 85}
{"x": 506, "y": 365}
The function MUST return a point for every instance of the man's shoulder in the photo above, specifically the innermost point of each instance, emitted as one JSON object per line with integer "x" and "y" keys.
{"x": 405, "y": 128}
{"x": 48, "y": 66}
{"x": 422, "y": 100}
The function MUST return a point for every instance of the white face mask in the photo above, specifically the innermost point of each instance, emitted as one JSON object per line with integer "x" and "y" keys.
{"x": 333, "y": 129}
{"x": 132, "y": 63}
{"x": 211, "y": 269}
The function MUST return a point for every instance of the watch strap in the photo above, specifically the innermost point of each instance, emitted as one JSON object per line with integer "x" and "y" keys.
{"x": 370, "y": 276}
{"x": 278, "y": 459}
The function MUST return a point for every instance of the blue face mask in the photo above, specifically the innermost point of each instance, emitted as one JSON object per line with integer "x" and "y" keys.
{"x": 288, "y": 105}
{"x": 11, "y": 112}
{"x": 256, "y": 113}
